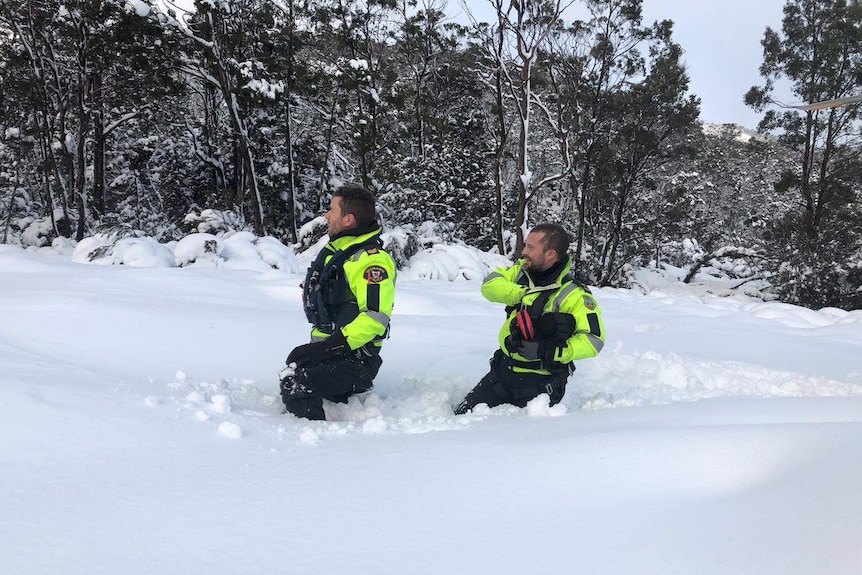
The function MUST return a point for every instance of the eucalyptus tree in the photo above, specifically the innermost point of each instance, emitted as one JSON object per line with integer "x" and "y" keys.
{"x": 93, "y": 66}
{"x": 525, "y": 27}
{"x": 422, "y": 45}
{"x": 282, "y": 48}
{"x": 649, "y": 122}
{"x": 353, "y": 47}
{"x": 432, "y": 163}
{"x": 614, "y": 98}
{"x": 224, "y": 55}
{"x": 489, "y": 45}
{"x": 35, "y": 67}
{"x": 593, "y": 60}
{"x": 817, "y": 55}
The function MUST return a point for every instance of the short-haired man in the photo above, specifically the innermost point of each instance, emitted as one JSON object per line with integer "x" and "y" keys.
{"x": 551, "y": 321}
{"x": 348, "y": 295}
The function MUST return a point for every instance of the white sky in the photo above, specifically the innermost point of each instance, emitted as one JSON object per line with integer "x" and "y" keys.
{"x": 721, "y": 39}
{"x": 141, "y": 433}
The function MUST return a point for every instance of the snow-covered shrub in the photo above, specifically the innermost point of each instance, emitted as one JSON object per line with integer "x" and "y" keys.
{"x": 109, "y": 249}
{"x": 199, "y": 249}
{"x": 681, "y": 254}
{"x": 97, "y": 249}
{"x": 37, "y": 232}
{"x": 142, "y": 252}
{"x": 276, "y": 254}
{"x": 311, "y": 232}
{"x": 60, "y": 246}
{"x": 452, "y": 263}
{"x": 243, "y": 250}
{"x": 235, "y": 250}
{"x": 402, "y": 244}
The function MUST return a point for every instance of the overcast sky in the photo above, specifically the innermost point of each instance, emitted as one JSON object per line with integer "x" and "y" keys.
{"x": 721, "y": 39}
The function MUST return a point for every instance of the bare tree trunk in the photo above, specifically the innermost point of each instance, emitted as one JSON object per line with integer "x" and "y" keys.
{"x": 12, "y": 200}
{"x": 80, "y": 189}
{"x": 288, "y": 121}
{"x": 49, "y": 164}
{"x": 522, "y": 182}
{"x": 615, "y": 238}
{"x": 502, "y": 141}
{"x": 81, "y": 140}
{"x": 99, "y": 137}
{"x": 291, "y": 168}
{"x": 529, "y": 38}
{"x": 330, "y": 128}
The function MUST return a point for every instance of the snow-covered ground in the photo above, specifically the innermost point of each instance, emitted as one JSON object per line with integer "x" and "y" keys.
{"x": 141, "y": 433}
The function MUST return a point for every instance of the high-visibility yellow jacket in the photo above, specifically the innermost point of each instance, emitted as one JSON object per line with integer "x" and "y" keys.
{"x": 359, "y": 296}
{"x": 514, "y": 287}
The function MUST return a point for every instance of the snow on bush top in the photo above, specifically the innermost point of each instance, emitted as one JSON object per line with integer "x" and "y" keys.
{"x": 233, "y": 250}
{"x": 452, "y": 263}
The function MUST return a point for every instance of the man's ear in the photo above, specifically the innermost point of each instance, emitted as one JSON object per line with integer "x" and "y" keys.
{"x": 556, "y": 256}
{"x": 349, "y": 221}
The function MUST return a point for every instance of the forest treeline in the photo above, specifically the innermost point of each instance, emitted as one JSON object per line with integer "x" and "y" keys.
{"x": 129, "y": 117}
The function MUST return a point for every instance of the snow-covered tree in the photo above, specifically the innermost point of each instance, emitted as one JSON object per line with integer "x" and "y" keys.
{"x": 818, "y": 56}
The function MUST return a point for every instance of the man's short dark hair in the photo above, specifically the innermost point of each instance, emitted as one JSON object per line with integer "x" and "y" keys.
{"x": 555, "y": 238}
{"x": 358, "y": 201}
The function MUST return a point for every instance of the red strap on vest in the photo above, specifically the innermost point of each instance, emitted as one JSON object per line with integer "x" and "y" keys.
{"x": 525, "y": 325}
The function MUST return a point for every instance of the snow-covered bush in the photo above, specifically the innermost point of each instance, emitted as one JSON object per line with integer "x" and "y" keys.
{"x": 402, "y": 244}
{"x": 234, "y": 250}
{"x": 311, "y": 232}
{"x": 108, "y": 249}
{"x": 681, "y": 254}
{"x": 200, "y": 249}
{"x": 243, "y": 250}
{"x": 452, "y": 263}
{"x": 32, "y": 231}
{"x": 276, "y": 254}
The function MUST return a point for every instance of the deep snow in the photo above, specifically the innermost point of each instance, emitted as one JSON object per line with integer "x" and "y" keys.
{"x": 141, "y": 430}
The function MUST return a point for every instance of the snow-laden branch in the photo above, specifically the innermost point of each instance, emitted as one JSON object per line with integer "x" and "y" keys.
{"x": 206, "y": 158}
{"x": 123, "y": 119}
{"x": 724, "y": 252}
{"x": 195, "y": 71}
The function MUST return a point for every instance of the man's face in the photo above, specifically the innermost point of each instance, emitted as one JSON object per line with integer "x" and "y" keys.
{"x": 536, "y": 257}
{"x": 337, "y": 220}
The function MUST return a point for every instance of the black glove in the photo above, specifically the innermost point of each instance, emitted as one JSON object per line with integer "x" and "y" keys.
{"x": 333, "y": 346}
{"x": 555, "y": 327}
{"x": 307, "y": 352}
{"x": 512, "y": 344}
{"x": 547, "y": 351}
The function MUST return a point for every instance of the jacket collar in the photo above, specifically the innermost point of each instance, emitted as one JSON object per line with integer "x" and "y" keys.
{"x": 353, "y": 236}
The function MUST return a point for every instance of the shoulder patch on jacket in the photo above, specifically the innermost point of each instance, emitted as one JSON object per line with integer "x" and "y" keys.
{"x": 371, "y": 251}
{"x": 589, "y": 303}
{"x": 375, "y": 274}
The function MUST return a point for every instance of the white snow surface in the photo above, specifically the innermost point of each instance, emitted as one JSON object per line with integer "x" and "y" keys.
{"x": 142, "y": 430}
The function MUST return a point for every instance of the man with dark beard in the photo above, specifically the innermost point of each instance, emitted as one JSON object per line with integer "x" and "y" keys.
{"x": 552, "y": 320}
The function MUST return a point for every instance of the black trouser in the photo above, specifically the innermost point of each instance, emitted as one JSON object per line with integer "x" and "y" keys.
{"x": 502, "y": 385}
{"x": 335, "y": 379}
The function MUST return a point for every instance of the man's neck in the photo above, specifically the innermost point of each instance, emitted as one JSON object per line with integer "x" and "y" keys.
{"x": 547, "y": 275}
